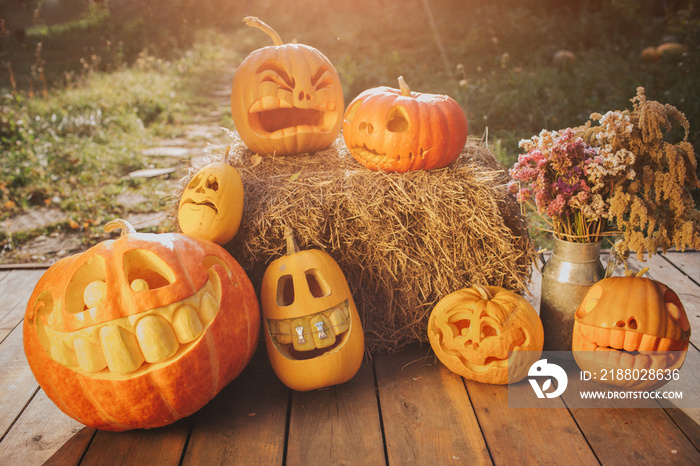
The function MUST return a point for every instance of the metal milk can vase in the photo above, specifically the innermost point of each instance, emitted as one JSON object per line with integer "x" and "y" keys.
{"x": 566, "y": 277}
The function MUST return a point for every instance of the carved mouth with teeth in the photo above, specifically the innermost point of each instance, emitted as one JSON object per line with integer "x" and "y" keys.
{"x": 372, "y": 156}
{"x": 137, "y": 343}
{"x": 310, "y": 336}
{"x": 273, "y": 117}
{"x": 625, "y": 348}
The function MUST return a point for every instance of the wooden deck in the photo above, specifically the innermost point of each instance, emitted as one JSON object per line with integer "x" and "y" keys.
{"x": 398, "y": 410}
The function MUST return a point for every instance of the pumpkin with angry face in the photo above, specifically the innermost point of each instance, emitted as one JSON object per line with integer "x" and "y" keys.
{"x": 486, "y": 333}
{"x": 312, "y": 329}
{"x": 630, "y": 322}
{"x": 396, "y": 130}
{"x": 140, "y": 331}
{"x": 286, "y": 98}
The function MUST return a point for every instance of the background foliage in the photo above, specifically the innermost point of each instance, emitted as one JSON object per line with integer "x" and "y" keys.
{"x": 84, "y": 85}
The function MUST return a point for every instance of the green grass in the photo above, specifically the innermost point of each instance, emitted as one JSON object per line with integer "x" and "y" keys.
{"x": 77, "y": 109}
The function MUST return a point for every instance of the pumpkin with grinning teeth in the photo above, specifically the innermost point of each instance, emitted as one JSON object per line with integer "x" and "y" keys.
{"x": 286, "y": 98}
{"x": 630, "y": 322}
{"x": 312, "y": 329}
{"x": 396, "y": 130}
{"x": 486, "y": 333}
{"x": 140, "y": 331}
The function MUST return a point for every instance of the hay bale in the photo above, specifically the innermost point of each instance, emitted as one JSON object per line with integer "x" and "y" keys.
{"x": 403, "y": 240}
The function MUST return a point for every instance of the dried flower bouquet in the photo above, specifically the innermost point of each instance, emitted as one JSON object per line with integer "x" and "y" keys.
{"x": 625, "y": 176}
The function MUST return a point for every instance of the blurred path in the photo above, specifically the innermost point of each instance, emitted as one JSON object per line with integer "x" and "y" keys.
{"x": 167, "y": 159}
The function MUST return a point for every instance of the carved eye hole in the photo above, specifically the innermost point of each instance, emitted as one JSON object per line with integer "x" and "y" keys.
{"x": 459, "y": 326}
{"x": 195, "y": 181}
{"x": 673, "y": 307}
{"x": 488, "y": 331}
{"x": 317, "y": 285}
{"x": 81, "y": 293}
{"x": 351, "y": 111}
{"x": 212, "y": 183}
{"x": 144, "y": 270}
{"x": 318, "y": 80}
{"x": 276, "y": 74}
{"x": 211, "y": 261}
{"x": 285, "y": 290}
{"x": 590, "y": 300}
{"x": 397, "y": 119}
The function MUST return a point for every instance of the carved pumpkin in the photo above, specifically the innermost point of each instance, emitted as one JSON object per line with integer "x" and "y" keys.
{"x": 140, "y": 331}
{"x": 211, "y": 205}
{"x": 286, "y": 98}
{"x": 396, "y": 130}
{"x": 630, "y": 322}
{"x": 473, "y": 330}
{"x": 313, "y": 332}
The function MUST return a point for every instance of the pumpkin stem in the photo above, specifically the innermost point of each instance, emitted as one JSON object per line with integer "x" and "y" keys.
{"x": 126, "y": 227}
{"x": 630, "y": 273}
{"x": 405, "y": 90}
{"x": 292, "y": 246}
{"x": 485, "y": 295}
{"x": 253, "y": 21}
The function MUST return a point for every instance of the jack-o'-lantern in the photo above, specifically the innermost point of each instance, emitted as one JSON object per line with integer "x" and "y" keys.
{"x": 211, "y": 205}
{"x": 286, "y": 98}
{"x": 396, "y": 130}
{"x": 312, "y": 329}
{"x": 630, "y": 322}
{"x": 140, "y": 331}
{"x": 486, "y": 333}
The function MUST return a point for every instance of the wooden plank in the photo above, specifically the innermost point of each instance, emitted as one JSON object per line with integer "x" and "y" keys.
{"x": 688, "y": 416}
{"x": 17, "y": 383}
{"x": 73, "y": 450}
{"x": 15, "y": 290}
{"x": 688, "y": 425}
{"x": 634, "y": 431}
{"x": 635, "y": 436}
{"x": 39, "y": 433}
{"x": 687, "y": 262}
{"x": 528, "y": 435}
{"x": 27, "y": 266}
{"x": 426, "y": 412}
{"x": 245, "y": 423}
{"x": 337, "y": 425}
{"x": 163, "y": 445}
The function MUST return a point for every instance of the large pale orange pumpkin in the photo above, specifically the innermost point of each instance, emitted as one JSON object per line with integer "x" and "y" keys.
{"x": 630, "y": 322}
{"x": 140, "y": 331}
{"x": 286, "y": 98}
{"x": 396, "y": 130}
{"x": 312, "y": 329}
{"x": 486, "y": 333}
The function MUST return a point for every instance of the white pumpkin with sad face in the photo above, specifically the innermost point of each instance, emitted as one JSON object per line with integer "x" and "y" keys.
{"x": 211, "y": 206}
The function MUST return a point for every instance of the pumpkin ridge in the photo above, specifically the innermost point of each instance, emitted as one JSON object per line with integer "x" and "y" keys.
{"x": 104, "y": 416}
